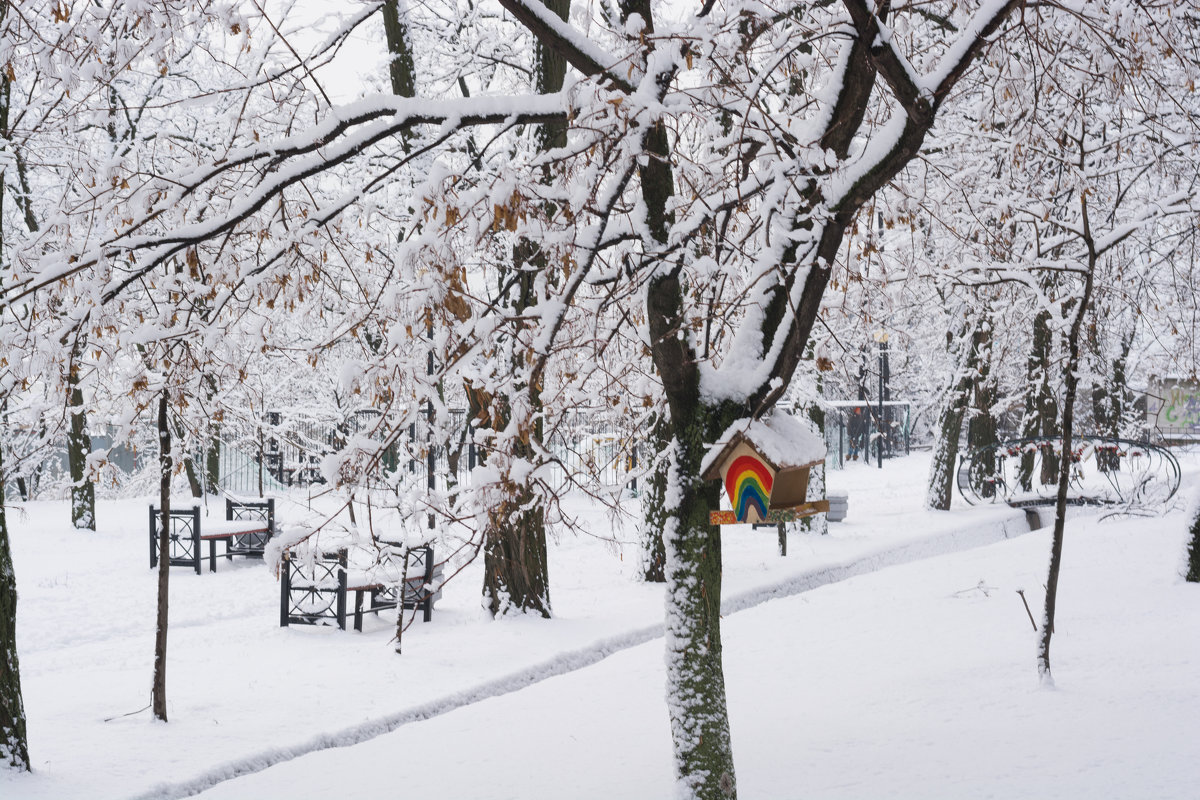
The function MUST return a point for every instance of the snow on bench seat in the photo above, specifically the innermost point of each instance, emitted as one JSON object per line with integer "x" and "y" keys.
{"x": 314, "y": 589}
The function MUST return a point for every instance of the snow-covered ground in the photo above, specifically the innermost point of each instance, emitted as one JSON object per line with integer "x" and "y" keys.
{"x": 891, "y": 658}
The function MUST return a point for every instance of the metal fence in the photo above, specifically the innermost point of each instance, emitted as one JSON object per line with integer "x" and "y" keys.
{"x": 593, "y": 448}
{"x": 587, "y": 446}
{"x": 862, "y": 430}
{"x": 241, "y": 473}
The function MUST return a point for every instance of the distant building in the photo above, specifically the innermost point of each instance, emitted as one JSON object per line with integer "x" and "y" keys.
{"x": 1173, "y": 409}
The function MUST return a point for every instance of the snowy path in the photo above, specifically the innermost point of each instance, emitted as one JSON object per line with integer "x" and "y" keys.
{"x": 916, "y": 681}
{"x": 981, "y": 533}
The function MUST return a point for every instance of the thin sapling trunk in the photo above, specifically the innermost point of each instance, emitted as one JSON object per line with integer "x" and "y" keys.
{"x": 1071, "y": 389}
{"x": 158, "y": 692}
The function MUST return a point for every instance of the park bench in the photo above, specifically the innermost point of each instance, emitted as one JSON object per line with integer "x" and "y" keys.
{"x": 252, "y": 542}
{"x": 246, "y": 529}
{"x": 314, "y": 589}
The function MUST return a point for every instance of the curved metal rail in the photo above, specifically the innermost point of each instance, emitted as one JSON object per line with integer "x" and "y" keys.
{"x": 1113, "y": 472}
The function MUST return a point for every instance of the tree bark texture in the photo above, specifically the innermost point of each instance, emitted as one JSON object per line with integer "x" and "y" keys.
{"x": 1041, "y": 407}
{"x": 212, "y": 461}
{"x": 695, "y": 671}
{"x": 514, "y": 557}
{"x": 696, "y": 699}
{"x": 1109, "y": 400}
{"x": 400, "y": 66}
{"x": 981, "y": 428}
{"x": 515, "y": 566}
{"x": 79, "y": 447}
{"x": 654, "y": 511}
{"x": 158, "y": 691}
{"x": 14, "y": 745}
{"x": 194, "y": 477}
{"x": 212, "y": 448}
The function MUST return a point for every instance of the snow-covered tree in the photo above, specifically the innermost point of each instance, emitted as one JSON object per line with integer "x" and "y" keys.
{"x": 712, "y": 161}
{"x": 1095, "y": 197}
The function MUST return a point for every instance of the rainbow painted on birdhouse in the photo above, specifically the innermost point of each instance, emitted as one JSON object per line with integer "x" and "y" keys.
{"x": 748, "y": 483}
{"x": 764, "y": 466}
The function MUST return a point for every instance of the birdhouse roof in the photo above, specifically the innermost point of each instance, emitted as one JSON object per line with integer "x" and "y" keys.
{"x": 780, "y": 439}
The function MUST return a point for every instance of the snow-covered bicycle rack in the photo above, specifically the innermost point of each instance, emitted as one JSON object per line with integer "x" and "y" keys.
{"x": 1132, "y": 476}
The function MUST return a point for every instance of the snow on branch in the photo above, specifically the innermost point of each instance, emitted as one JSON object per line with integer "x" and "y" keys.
{"x": 975, "y": 37}
{"x": 920, "y": 96}
{"x": 577, "y": 49}
{"x": 284, "y": 163}
{"x": 890, "y": 62}
{"x": 1179, "y": 203}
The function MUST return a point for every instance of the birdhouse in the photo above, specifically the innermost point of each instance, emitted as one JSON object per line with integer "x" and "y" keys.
{"x": 764, "y": 467}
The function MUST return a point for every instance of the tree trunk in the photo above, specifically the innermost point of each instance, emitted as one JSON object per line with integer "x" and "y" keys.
{"x": 654, "y": 511}
{"x": 1070, "y": 390}
{"x": 1193, "y": 573}
{"x": 1193, "y": 560}
{"x": 158, "y": 692}
{"x": 1121, "y": 396}
{"x": 79, "y": 447}
{"x": 212, "y": 461}
{"x": 14, "y": 745}
{"x": 815, "y": 523}
{"x": 516, "y": 570}
{"x": 1108, "y": 399}
{"x": 696, "y": 699}
{"x": 1041, "y": 409}
{"x": 194, "y": 477}
{"x": 262, "y": 460}
{"x": 195, "y": 484}
{"x": 400, "y": 63}
{"x": 514, "y": 557}
{"x": 981, "y": 428}
{"x": 212, "y": 448}
{"x": 945, "y": 447}
{"x": 695, "y": 673}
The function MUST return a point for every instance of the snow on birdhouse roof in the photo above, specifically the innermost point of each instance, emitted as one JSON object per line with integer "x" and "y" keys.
{"x": 781, "y": 439}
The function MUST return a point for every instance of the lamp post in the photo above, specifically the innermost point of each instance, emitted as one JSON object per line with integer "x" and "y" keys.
{"x": 881, "y": 336}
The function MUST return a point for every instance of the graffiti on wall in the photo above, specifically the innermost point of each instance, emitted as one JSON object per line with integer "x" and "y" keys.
{"x": 1174, "y": 407}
